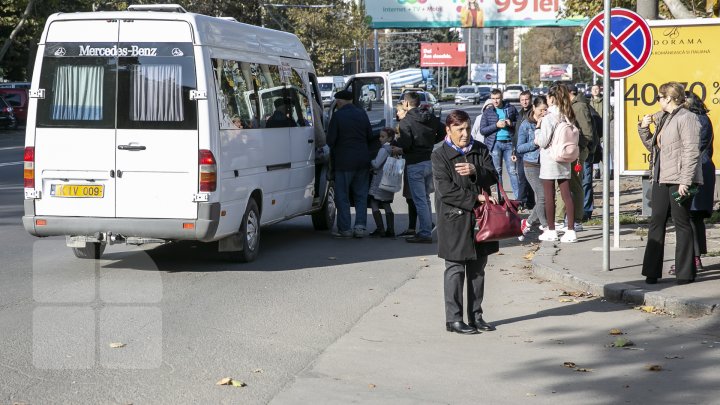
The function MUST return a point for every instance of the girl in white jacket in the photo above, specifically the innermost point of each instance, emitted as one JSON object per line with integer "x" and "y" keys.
{"x": 559, "y": 109}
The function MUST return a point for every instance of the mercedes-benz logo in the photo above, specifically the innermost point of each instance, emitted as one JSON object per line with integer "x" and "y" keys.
{"x": 60, "y": 51}
{"x": 177, "y": 52}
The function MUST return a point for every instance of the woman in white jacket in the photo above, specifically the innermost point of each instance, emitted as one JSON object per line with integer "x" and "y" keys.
{"x": 559, "y": 109}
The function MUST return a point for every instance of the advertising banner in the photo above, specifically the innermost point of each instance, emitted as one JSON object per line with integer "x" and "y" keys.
{"x": 485, "y": 73}
{"x": 466, "y": 13}
{"x": 451, "y": 54}
{"x": 685, "y": 51}
{"x": 553, "y": 73}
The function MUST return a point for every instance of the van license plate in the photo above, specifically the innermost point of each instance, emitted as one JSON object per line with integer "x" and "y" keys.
{"x": 76, "y": 191}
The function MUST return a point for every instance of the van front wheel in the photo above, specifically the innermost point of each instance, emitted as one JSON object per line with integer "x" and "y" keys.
{"x": 250, "y": 233}
{"x": 92, "y": 250}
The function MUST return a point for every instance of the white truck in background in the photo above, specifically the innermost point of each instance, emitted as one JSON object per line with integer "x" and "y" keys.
{"x": 329, "y": 85}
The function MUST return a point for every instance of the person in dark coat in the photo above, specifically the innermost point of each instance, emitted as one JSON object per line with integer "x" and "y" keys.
{"x": 280, "y": 118}
{"x": 349, "y": 136}
{"x": 462, "y": 169}
{"x": 702, "y": 204}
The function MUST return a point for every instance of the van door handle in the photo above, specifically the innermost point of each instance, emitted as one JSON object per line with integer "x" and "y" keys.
{"x": 131, "y": 147}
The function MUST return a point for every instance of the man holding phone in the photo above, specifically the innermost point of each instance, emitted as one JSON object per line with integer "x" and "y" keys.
{"x": 498, "y": 126}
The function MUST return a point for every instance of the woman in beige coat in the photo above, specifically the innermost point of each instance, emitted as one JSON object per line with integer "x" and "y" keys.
{"x": 674, "y": 167}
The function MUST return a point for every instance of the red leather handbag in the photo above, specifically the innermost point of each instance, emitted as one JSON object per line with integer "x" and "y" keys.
{"x": 497, "y": 221}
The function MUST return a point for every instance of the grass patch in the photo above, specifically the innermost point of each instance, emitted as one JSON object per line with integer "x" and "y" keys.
{"x": 714, "y": 218}
{"x": 714, "y": 253}
{"x": 624, "y": 220}
{"x": 641, "y": 232}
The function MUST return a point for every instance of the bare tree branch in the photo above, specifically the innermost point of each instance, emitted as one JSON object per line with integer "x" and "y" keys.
{"x": 17, "y": 29}
{"x": 678, "y": 9}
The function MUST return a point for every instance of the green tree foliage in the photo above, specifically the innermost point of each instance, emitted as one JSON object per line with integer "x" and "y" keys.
{"x": 546, "y": 46}
{"x": 593, "y": 7}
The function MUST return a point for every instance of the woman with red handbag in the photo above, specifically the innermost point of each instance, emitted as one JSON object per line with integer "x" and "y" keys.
{"x": 462, "y": 170}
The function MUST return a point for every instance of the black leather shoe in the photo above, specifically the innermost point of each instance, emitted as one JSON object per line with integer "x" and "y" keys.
{"x": 480, "y": 324}
{"x": 417, "y": 239}
{"x": 460, "y": 327}
{"x": 650, "y": 280}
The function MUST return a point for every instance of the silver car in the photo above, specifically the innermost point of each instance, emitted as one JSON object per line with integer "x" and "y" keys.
{"x": 512, "y": 92}
{"x": 468, "y": 94}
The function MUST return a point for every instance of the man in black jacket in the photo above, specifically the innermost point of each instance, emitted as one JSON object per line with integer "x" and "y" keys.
{"x": 419, "y": 132}
{"x": 349, "y": 134}
{"x": 525, "y": 193}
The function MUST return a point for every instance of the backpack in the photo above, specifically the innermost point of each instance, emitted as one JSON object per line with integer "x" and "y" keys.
{"x": 563, "y": 146}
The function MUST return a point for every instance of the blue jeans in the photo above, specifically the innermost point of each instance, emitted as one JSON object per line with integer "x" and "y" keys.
{"x": 503, "y": 151}
{"x": 587, "y": 185}
{"x": 359, "y": 182}
{"x": 420, "y": 182}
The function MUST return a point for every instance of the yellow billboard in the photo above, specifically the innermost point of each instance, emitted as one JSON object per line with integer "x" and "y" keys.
{"x": 685, "y": 51}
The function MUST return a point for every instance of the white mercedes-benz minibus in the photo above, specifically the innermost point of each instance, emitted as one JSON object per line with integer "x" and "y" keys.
{"x": 155, "y": 124}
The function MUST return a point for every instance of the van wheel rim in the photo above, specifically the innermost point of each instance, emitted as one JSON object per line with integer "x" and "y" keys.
{"x": 251, "y": 230}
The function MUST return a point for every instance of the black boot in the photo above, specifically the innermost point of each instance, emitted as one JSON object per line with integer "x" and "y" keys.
{"x": 379, "y": 227}
{"x": 390, "y": 219}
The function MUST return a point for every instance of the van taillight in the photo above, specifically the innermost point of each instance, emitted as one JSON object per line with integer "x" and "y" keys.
{"x": 208, "y": 171}
{"x": 29, "y": 167}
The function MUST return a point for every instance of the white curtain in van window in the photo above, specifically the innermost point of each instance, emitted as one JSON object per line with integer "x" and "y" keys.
{"x": 156, "y": 93}
{"x": 78, "y": 93}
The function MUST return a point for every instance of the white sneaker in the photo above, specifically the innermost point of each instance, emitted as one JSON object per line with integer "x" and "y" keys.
{"x": 569, "y": 237}
{"x": 542, "y": 228}
{"x": 548, "y": 236}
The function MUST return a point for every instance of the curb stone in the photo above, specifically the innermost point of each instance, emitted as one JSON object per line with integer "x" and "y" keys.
{"x": 544, "y": 266}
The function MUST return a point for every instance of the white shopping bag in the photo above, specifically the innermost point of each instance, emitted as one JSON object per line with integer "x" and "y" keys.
{"x": 392, "y": 178}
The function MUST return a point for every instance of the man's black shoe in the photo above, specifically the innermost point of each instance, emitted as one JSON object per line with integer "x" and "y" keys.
{"x": 460, "y": 327}
{"x": 480, "y": 324}
{"x": 417, "y": 239}
{"x": 650, "y": 280}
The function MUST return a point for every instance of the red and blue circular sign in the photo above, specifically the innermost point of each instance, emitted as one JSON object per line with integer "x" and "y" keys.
{"x": 630, "y": 43}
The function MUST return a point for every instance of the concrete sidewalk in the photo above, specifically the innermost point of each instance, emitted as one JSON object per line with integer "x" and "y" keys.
{"x": 580, "y": 266}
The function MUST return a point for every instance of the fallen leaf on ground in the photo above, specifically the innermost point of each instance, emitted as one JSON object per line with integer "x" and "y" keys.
{"x": 422, "y": 259}
{"x": 529, "y": 256}
{"x": 530, "y": 394}
{"x": 673, "y": 356}
{"x": 647, "y": 308}
{"x": 622, "y": 342}
{"x": 231, "y": 382}
{"x": 117, "y": 345}
{"x": 569, "y": 364}
{"x": 583, "y": 370}
{"x": 566, "y": 300}
{"x": 654, "y": 367}
{"x": 500, "y": 253}
{"x": 371, "y": 386}
{"x": 616, "y": 331}
{"x": 258, "y": 370}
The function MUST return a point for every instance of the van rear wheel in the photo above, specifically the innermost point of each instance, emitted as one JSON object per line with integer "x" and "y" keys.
{"x": 324, "y": 218}
{"x": 250, "y": 233}
{"x": 92, "y": 250}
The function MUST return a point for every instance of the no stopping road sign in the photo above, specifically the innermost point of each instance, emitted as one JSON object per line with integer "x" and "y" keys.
{"x": 630, "y": 43}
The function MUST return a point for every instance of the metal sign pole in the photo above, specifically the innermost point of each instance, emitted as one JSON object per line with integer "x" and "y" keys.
{"x": 606, "y": 131}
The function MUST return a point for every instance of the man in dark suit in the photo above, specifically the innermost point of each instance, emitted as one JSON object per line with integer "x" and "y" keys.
{"x": 349, "y": 135}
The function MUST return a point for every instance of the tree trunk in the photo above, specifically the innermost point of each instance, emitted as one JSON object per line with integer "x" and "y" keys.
{"x": 17, "y": 29}
{"x": 678, "y": 9}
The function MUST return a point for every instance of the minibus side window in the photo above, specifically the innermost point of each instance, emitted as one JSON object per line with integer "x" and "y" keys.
{"x": 297, "y": 92}
{"x": 79, "y": 92}
{"x": 154, "y": 90}
{"x": 233, "y": 89}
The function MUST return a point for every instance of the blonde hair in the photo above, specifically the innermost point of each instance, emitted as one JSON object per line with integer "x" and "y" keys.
{"x": 675, "y": 91}
{"x": 562, "y": 98}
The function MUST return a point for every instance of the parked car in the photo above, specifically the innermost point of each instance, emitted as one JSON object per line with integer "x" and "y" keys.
{"x": 468, "y": 94}
{"x": 18, "y": 100}
{"x": 484, "y": 92}
{"x": 539, "y": 91}
{"x": 427, "y": 102}
{"x": 512, "y": 91}
{"x": 7, "y": 117}
{"x": 448, "y": 93}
